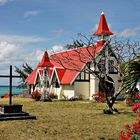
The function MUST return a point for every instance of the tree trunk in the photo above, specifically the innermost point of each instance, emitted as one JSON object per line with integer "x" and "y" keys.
{"x": 110, "y": 103}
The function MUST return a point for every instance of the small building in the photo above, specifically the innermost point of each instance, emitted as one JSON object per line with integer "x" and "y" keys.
{"x": 67, "y": 71}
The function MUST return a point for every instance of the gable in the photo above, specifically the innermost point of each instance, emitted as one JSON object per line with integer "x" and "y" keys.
{"x": 109, "y": 63}
{"x": 84, "y": 75}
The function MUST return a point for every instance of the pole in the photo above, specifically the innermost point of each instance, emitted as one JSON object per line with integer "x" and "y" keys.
{"x": 10, "y": 92}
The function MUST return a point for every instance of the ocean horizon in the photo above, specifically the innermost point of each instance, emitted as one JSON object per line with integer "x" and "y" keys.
{"x": 5, "y": 89}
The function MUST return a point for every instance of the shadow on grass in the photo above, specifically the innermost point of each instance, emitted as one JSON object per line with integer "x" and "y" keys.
{"x": 128, "y": 113}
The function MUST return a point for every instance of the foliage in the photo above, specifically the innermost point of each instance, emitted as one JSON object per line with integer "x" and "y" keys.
{"x": 131, "y": 74}
{"x": 131, "y": 100}
{"x": 76, "y": 44}
{"x": 24, "y": 73}
{"x": 132, "y": 132}
{"x": 36, "y": 95}
{"x": 99, "y": 97}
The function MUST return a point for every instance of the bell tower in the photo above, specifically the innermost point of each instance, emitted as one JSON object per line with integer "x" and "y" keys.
{"x": 103, "y": 32}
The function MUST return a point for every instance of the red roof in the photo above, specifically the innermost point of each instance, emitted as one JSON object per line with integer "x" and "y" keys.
{"x": 103, "y": 27}
{"x": 69, "y": 63}
{"x": 6, "y": 95}
{"x": 45, "y": 62}
{"x": 31, "y": 78}
{"x": 60, "y": 73}
{"x": 41, "y": 71}
{"x": 72, "y": 62}
{"x": 50, "y": 72}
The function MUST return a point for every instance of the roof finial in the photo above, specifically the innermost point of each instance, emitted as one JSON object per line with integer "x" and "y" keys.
{"x": 102, "y": 13}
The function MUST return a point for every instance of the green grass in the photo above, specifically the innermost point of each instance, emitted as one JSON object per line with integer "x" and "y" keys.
{"x": 65, "y": 120}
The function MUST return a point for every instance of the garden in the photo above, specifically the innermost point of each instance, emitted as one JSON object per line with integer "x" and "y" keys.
{"x": 81, "y": 120}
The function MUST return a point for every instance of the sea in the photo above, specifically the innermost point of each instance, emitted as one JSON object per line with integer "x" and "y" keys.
{"x": 15, "y": 90}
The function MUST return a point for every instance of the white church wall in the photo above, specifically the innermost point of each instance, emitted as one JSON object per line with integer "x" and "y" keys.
{"x": 68, "y": 91}
{"x": 94, "y": 83}
{"x": 82, "y": 90}
{"x": 94, "y": 86}
{"x": 56, "y": 91}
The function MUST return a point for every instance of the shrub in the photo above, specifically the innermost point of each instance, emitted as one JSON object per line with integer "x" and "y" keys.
{"x": 132, "y": 132}
{"x": 99, "y": 97}
{"x": 36, "y": 95}
{"x": 132, "y": 99}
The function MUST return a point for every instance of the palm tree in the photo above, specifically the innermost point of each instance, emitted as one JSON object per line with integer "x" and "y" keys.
{"x": 24, "y": 73}
{"x": 131, "y": 74}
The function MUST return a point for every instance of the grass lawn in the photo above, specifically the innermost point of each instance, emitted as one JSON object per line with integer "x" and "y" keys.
{"x": 65, "y": 120}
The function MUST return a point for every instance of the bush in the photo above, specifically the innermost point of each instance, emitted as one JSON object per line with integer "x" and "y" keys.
{"x": 132, "y": 132}
{"x": 99, "y": 97}
{"x": 36, "y": 95}
{"x": 132, "y": 99}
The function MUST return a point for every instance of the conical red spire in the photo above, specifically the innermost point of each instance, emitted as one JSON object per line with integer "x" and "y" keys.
{"x": 103, "y": 27}
{"x": 45, "y": 62}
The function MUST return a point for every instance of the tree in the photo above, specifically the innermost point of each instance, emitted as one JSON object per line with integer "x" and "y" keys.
{"x": 24, "y": 73}
{"x": 132, "y": 73}
{"x": 122, "y": 56}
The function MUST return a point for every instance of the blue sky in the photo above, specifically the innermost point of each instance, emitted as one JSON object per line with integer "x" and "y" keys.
{"x": 28, "y": 27}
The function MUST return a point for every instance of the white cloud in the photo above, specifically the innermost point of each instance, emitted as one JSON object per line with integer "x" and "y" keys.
{"x": 31, "y": 13}
{"x": 129, "y": 32}
{"x": 3, "y": 2}
{"x": 57, "y": 48}
{"x": 58, "y": 31}
{"x": 16, "y": 54}
{"x": 94, "y": 28}
{"x": 10, "y": 53}
{"x": 34, "y": 56}
{"x": 21, "y": 38}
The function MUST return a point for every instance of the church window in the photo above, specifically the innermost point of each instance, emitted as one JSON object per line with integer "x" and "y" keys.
{"x": 101, "y": 66}
{"x": 111, "y": 65}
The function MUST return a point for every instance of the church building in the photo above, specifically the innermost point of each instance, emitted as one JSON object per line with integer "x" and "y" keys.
{"x": 68, "y": 72}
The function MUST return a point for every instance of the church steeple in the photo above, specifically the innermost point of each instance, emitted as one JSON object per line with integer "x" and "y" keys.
{"x": 45, "y": 62}
{"x": 103, "y": 32}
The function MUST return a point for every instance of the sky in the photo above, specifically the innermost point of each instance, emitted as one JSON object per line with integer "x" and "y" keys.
{"x": 28, "y": 27}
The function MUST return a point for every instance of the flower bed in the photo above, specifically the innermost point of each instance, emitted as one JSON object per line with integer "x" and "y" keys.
{"x": 36, "y": 95}
{"x": 131, "y": 100}
{"x": 99, "y": 97}
{"x": 132, "y": 132}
